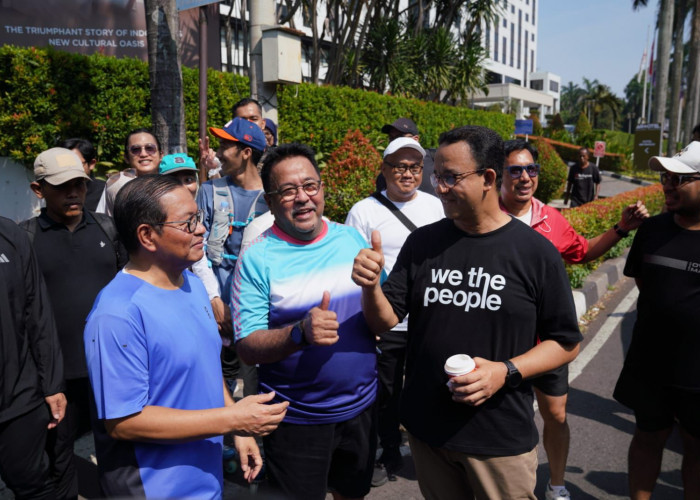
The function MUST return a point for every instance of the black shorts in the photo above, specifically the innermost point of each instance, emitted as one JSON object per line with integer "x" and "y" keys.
{"x": 305, "y": 461}
{"x": 554, "y": 383}
{"x": 657, "y": 407}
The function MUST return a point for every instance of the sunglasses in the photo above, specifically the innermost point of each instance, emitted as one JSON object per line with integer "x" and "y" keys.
{"x": 136, "y": 149}
{"x": 517, "y": 170}
{"x": 677, "y": 180}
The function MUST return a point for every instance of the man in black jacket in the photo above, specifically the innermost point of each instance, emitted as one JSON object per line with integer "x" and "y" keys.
{"x": 31, "y": 380}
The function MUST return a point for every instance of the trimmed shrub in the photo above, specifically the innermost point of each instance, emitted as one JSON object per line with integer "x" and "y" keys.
{"x": 553, "y": 172}
{"x": 349, "y": 175}
{"x": 48, "y": 96}
{"x": 536, "y": 125}
{"x": 596, "y": 217}
{"x": 583, "y": 126}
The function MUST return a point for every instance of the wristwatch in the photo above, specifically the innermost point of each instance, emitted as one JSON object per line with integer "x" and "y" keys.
{"x": 620, "y": 232}
{"x": 513, "y": 377}
{"x": 297, "y": 334}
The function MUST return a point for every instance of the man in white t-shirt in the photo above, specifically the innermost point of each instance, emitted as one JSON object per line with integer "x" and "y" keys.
{"x": 385, "y": 212}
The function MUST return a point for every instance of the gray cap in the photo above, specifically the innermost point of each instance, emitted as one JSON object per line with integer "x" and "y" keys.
{"x": 58, "y": 165}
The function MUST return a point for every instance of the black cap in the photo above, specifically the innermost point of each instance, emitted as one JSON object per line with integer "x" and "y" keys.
{"x": 403, "y": 125}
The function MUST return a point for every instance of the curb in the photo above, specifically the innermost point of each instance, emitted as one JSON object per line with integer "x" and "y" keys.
{"x": 597, "y": 283}
{"x": 627, "y": 178}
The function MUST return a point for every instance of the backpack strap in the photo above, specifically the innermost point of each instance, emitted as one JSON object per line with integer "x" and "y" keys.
{"x": 106, "y": 224}
{"x": 31, "y": 226}
{"x": 394, "y": 210}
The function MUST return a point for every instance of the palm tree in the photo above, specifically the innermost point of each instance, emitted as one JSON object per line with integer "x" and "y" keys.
{"x": 602, "y": 97}
{"x": 570, "y": 102}
{"x": 682, "y": 9}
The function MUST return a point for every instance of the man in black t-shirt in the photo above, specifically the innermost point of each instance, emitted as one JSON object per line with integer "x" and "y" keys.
{"x": 78, "y": 253}
{"x": 583, "y": 183}
{"x": 660, "y": 379}
{"x": 468, "y": 289}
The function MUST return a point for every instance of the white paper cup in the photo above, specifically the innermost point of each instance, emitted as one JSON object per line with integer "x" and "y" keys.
{"x": 459, "y": 364}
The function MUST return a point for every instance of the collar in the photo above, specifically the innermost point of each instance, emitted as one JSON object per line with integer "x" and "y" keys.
{"x": 46, "y": 222}
{"x": 290, "y": 239}
{"x": 538, "y": 215}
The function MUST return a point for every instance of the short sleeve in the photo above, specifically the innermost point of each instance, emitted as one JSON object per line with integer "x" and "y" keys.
{"x": 250, "y": 295}
{"x": 117, "y": 359}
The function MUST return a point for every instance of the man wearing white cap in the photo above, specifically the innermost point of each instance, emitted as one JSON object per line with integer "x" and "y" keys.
{"x": 660, "y": 379}
{"x": 395, "y": 212}
{"x": 78, "y": 252}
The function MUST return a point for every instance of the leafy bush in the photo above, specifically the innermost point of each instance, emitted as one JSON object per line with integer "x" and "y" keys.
{"x": 536, "y": 124}
{"x": 596, "y": 217}
{"x": 48, "y": 96}
{"x": 322, "y": 116}
{"x": 349, "y": 175}
{"x": 583, "y": 126}
{"x": 553, "y": 172}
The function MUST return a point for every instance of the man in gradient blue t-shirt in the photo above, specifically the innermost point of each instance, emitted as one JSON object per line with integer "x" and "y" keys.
{"x": 297, "y": 314}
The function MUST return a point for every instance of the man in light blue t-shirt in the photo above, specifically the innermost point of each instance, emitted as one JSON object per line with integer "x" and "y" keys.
{"x": 152, "y": 349}
{"x": 297, "y": 314}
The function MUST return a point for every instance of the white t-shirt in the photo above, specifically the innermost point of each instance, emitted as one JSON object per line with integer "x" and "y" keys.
{"x": 526, "y": 217}
{"x": 369, "y": 214}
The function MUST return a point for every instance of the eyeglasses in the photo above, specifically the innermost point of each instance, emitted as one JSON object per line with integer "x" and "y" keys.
{"x": 517, "y": 170}
{"x": 191, "y": 223}
{"x": 677, "y": 180}
{"x": 414, "y": 168}
{"x": 290, "y": 193}
{"x": 136, "y": 149}
{"x": 451, "y": 180}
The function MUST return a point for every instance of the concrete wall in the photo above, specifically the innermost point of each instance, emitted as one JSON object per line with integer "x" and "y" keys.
{"x": 17, "y": 201}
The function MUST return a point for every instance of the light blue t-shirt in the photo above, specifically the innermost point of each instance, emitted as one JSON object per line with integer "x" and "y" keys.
{"x": 277, "y": 281}
{"x": 146, "y": 346}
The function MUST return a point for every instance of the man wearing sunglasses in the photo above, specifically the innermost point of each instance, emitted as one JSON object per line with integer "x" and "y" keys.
{"x": 520, "y": 176}
{"x": 664, "y": 262}
{"x": 297, "y": 314}
{"x": 477, "y": 283}
{"x": 152, "y": 351}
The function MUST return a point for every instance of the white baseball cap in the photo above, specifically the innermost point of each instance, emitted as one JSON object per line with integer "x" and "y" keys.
{"x": 687, "y": 161}
{"x": 403, "y": 142}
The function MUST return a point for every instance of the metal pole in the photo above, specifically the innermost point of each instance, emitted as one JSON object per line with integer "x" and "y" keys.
{"x": 202, "y": 81}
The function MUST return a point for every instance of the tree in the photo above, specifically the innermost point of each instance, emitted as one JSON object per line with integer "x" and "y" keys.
{"x": 583, "y": 126}
{"x": 682, "y": 8}
{"x": 691, "y": 109}
{"x": 571, "y": 102}
{"x": 164, "y": 69}
{"x": 602, "y": 97}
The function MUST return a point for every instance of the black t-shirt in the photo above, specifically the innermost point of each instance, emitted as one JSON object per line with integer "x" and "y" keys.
{"x": 76, "y": 266}
{"x": 95, "y": 188}
{"x": 488, "y": 295}
{"x": 583, "y": 183}
{"x": 665, "y": 344}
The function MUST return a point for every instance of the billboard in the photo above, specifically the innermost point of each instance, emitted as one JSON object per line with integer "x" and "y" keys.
{"x": 110, "y": 27}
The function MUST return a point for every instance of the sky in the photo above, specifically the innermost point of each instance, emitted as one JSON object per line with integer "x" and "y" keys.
{"x": 596, "y": 39}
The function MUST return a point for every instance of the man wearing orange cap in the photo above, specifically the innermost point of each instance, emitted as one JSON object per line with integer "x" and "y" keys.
{"x": 229, "y": 204}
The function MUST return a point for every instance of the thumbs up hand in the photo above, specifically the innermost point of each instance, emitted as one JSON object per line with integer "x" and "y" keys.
{"x": 368, "y": 265}
{"x": 321, "y": 325}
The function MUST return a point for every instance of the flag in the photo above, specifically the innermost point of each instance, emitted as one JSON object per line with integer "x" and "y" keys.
{"x": 651, "y": 60}
{"x": 642, "y": 65}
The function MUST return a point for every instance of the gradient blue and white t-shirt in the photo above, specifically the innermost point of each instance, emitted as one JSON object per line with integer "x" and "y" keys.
{"x": 147, "y": 346}
{"x": 277, "y": 281}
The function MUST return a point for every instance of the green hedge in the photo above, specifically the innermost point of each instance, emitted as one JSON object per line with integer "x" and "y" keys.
{"x": 47, "y": 96}
{"x": 322, "y": 116}
{"x": 596, "y": 217}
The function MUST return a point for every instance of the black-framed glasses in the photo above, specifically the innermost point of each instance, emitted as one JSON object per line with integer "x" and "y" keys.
{"x": 517, "y": 170}
{"x": 676, "y": 179}
{"x": 190, "y": 224}
{"x": 289, "y": 193}
{"x": 451, "y": 180}
{"x": 414, "y": 168}
{"x": 136, "y": 149}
